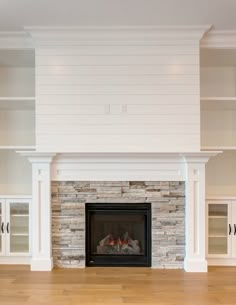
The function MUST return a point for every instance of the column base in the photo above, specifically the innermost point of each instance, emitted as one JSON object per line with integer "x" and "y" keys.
{"x": 41, "y": 264}
{"x": 195, "y": 265}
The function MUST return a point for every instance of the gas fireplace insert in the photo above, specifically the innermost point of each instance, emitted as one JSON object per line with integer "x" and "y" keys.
{"x": 118, "y": 234}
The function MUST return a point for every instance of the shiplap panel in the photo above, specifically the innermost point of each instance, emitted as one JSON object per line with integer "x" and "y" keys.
{"x": 118, "y": 50}
{"x": 118, "y": 96}
{"x": 118, "y": 89}
{"x": 120, "y": 99}
{"x": 117, "y": 80}
{"x": 134, "y": 129}
{"x": 129, "y": 109}
{"x": 118, "y": 70}
{"x": 116, "y": 143}
{"x": 105, "y": 60}
{"x": 117, "y": 119}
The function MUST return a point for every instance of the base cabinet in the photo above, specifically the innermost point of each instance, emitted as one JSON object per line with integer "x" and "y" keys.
{"x": 221, "y": 230}
{"x": 15, "y": 241}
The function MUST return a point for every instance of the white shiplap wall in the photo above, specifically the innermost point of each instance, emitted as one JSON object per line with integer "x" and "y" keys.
{"x": 130, "y": 90}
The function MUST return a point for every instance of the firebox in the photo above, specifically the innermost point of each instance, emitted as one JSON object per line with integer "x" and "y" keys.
{"x": 118, "y": 234}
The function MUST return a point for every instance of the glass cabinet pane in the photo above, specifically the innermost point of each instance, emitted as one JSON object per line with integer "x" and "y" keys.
{"x": 19, "y": 227}
{"x": 218, "y": 210}
{"x": 218, "y": 229}
{"x": 218, "y": 245}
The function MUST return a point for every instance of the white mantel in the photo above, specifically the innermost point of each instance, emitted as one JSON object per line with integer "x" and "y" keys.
{"x": 188, "y": 167}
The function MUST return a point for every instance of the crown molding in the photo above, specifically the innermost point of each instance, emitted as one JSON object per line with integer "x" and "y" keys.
{"x": 15, "y": 40}
{"x": 219, "y": 39}
{"x": 117, "y": 35}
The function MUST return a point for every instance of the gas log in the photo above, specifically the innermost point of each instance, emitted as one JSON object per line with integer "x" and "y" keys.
{"x": 124, "y": 246}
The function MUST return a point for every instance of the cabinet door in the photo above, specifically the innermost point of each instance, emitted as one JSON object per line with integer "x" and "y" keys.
{"x": 17, "y": 228}
{"x": 2, "y": 227}
{"x": 219, "y": 229}
{"x": 234, "y": 229}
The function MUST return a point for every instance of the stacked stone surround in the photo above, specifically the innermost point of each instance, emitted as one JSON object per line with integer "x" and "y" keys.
{"x": 68, "y": 217}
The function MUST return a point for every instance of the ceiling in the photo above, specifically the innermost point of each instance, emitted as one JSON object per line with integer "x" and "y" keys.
{"x": 15, "y": 14}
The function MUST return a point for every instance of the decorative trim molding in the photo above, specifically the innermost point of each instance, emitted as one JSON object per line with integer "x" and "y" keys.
{"x": 130, "y": 34}
{"x": 15, "y": 40}
{"x": 219, "y": 40}
{"x": 117, "y": 34}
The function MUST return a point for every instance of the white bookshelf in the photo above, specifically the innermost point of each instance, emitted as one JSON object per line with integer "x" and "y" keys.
{"x": 17, "y": 119}
{"x": 218, "y": 119}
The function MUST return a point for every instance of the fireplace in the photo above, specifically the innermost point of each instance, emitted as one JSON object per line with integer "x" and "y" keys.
{"x": 118, "y": 234}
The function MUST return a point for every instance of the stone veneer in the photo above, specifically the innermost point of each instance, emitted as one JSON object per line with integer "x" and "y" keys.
{"x": 68, "y": 217}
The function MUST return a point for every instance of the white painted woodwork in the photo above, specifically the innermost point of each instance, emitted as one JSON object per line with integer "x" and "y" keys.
{"x": 118, "y": 167}
{"x": 195, "y": 256}
{"x": 151, "y": 74}
{"x": 124, "y": 167}
{"x": 15, "y": 174}
{"x": 10, "y": 255}
{"x": 229, "y": 258}
{"x": 41, "y": 213}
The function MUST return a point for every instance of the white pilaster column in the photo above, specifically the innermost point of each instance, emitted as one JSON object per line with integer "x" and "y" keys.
{"x": 41, "y": 211}
{"x": 195, "y": 215}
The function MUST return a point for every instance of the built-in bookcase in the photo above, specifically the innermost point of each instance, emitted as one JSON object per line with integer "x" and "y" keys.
{"x": 218, "y": 132}
{"x": 17, "y": 119}
{"x": 218, "y": 118}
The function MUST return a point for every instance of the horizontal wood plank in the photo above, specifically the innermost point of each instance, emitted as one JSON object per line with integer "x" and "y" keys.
{"x": 167, "y": 69}
{"x": 129, "y": 109}
{"x": 120, "y": 99}
{"x": 117, "y": 119}
{"x": 117, "y": 80}
{"x": 119, "y": 50}
{"x": 118, "y": 89}
{"x": 103, "y": 60}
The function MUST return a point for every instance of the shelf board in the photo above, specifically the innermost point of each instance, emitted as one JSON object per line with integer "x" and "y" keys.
{"x": 217, "y": 217}
{"x": 19, "y": 215}
{"x": 17, "y": 147}
{"x": 19, "y": 234}
{"x": 218, "y": 98}
{"x": 214, "y": 148}
{"x": 217, "y": 236}
{"x": 17, "y": 102}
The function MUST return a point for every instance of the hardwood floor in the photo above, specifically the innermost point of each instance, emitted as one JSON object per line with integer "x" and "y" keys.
{"x": 117, "y": 286}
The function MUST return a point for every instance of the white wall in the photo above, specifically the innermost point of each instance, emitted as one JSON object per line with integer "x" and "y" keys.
{"x": 15, "y": 174}
{"x": 17, "y": 81}
{"x": 221, "y": 175}
{"x": 118, "y": 96}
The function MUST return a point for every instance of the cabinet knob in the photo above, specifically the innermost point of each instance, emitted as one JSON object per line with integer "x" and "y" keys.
{"x": 234, "y": 229}
{"x": 2, "y": 227}
{"x": 8, "y": 227}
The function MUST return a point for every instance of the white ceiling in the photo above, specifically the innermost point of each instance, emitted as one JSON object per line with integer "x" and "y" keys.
{"x": 14, "y": 14}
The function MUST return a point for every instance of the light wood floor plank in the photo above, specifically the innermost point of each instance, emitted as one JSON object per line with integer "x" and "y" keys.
{"x": 141, "y": 286}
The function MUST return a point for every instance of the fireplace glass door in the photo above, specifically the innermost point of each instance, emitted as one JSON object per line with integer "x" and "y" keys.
{"x": 118, "y": 234}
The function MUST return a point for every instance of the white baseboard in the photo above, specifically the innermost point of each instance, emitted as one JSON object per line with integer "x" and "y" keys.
{"x": 41, "y": 264}
{"x": 221, "y": 261}
{"x": 15, "y": 260}
{"x": 195, "y": 265}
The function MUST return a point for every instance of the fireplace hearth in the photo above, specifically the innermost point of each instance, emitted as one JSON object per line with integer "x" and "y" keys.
{"x": 118, "y": 234}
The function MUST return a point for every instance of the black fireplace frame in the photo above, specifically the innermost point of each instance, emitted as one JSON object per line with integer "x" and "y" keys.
{"x": 119, "y": 260}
